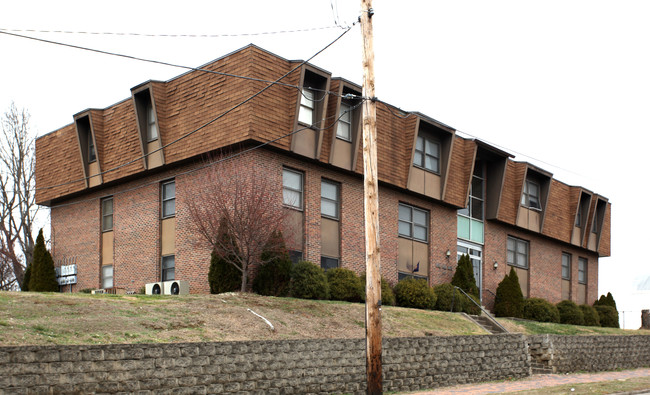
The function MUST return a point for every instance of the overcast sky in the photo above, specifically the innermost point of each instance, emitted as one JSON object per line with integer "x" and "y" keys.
{"x": 564, "y": 84}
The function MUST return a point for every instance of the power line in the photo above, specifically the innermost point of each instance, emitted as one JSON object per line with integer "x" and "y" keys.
{"x": 169, "y": 35}
{"x": 160, "y": 62}
{"x": 207, "y": 123}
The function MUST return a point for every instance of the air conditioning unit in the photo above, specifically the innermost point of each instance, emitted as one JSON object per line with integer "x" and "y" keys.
{"x": 98, "y": 291}
{"x": 176, "y": 287}
{"x": 153, "y": 289}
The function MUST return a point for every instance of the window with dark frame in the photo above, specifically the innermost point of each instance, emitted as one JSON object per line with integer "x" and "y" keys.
{"x": 307, "y": 107}
{"x": 295, "y": 256}
{"x": 427, "y": 154}
{"x": 152, "y": 127}
{"x": 517, "y": 252}
{"x": 530, "y": 195}
{"x": 344, "y": 127}
{"x": 413, "y": 223}
{"x": 168, "y": 266}
{"x": 328, "y": 262}
{"x": 107, "y": 214}
{"x": 582, "y": 270}
{"x": 329, "y": 199}
{"x": 168, "y": 199}
{"x": 566, "y": 266}
{"x": 579, "y": 217}
{"x": 92, "y": 155}
{"x": 292, "y": 188}
{"x": 107, "y": 276}
{"x": 474, "y": 207}
{"x": 594, "y": 227}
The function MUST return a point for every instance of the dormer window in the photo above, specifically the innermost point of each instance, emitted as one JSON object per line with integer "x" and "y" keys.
{"x": 344, "y": 128}
{"x": 530, "y": 195}
{"x": 152, "y": 127}
{"x": 306, "y": 114}
{"x": 427, "y": 154}
{"x": 92, "y": 155}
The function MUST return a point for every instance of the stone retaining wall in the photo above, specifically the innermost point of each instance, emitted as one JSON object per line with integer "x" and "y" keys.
{"x": 305, "y": 366}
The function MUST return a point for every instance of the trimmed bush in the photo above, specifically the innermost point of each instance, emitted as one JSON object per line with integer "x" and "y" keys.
{"x": 387, "y": 294}
{"x": 570, "y": 313}
{"x": 509, "y": 301}
{"x": 274, "y": 275}
{"x": 308, "y": 281}
{"x": 42, "y": 277}
{"x": 344, "y": 285}
{"x": 415, "y": 293}
{"x": 590, "y": 315}
{"x": 446, "y": 294}
{"x": 28, "y": 273}
{"x": 464, "y": 276}
{"x": 224, "y": 274}
{"x": 538, "y": 309}
{"x": 608, "y": 316}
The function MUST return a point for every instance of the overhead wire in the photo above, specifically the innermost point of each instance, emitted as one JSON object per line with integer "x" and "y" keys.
{"x": 207, "y": 123}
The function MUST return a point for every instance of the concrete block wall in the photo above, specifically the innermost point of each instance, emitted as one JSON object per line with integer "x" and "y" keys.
{"x": 260, "y": 367}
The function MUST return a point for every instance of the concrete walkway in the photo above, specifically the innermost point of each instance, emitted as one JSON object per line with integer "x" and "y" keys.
{"x": 536, "y": 382}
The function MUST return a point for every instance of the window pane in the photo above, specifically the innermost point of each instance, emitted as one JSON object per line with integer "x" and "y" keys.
{"x": 107, "y": 207}
{"x": 345, "y": 114}
{"x": 511, "y": 244}
{"x": 307, "y": 98}
{"x": 420, "y": 233}
{"x": 419, "y": 144}
{"x": 291, "y": 179}
{"x": 477, "y": 187}
{"x": 107, "y": 223}
{"x": 168, "y": 267}
{"x": 291, "y": 198}
{"x": 431, "y": 163}
{"x": 328, "y": 263}
{"x": 477, "y": 231}
{"x": 464, "y": 211}
{"x": 306, "y": 115}
{"x": 417, "y": 158}
{"x": 329, "y": 190}
{"x": 328, "y": 207}
{"x": 420, "y": 217}
{"x": 169, "y": 190}
{"x": 432, "y": 148}
{"x": 168, "y": 274}
{"x": 477, "y": 208}
{"x": 169, "y": 207}
{"x": 343, "y": 130}
{"x": 405, "y": 229}
{"x": 463, "y": 228}
{"x": 521, "y": 247}
{"x": 404, "y": 213}
{"x": 533, "y": 189}
{"x": 511, "y": 257}
{"x": 107, "y": 276}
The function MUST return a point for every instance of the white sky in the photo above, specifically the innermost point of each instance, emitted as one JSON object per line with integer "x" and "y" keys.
{"x": 565, "y": 82}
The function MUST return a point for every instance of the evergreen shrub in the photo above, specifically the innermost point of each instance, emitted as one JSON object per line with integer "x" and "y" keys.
{"x": 344, "y": 285}
{"x": 540, "y": 310}
{"x": 274, "y": 274}
{"x": 590, "y": 315}
{"x": 570, "y": 313}
{"x": 446, "y": 294}
{"x": 509, "y": 300}
{"x": 608, "y": 316}
{"x": 308, "y": 281}
{"x": 464, "y": 276}
{"x": 224, "y": 274}
{"x": 415, "y": 293}
{"x": 28, "y": 273}
{"x": 42, "y": 277}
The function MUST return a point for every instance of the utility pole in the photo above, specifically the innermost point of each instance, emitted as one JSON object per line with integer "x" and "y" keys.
{"x": 371, "y": 207}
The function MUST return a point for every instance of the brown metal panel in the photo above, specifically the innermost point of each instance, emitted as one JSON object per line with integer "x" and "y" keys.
{"x": 582, "y": 293}
{"x": 523, "y": 280}
{"x": 168, "y": 236}
{"x": 432, "y": 185}
{"x": 404, "y": 255}
{"x": 416, "y": 181}
{"x": 342, "y": 154}
{"x": 294, "y": 224}
{"x": 155, "y": 158}
{"x": 421, "y": 258}
{"x": 304, "y": 143}
{"x": 107, "y": 248}
{"x": 576, "y": 236}
{"x": 93, "y": 173}
{"x": 566, "y": 289}
{"x": 329, "y": 237}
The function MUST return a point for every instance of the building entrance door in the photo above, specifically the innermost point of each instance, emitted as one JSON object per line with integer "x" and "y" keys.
{"x": 475, "y": 253}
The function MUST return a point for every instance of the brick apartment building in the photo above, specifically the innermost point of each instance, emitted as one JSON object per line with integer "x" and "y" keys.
{"x": 117, "y": 183}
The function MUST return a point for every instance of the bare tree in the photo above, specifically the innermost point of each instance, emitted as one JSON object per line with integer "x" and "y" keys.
{"x": 17, "y": 205}
{"x": 245, "y": 199}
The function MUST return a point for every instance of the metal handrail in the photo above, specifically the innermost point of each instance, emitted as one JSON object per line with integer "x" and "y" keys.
{"x": 482, "y": 309}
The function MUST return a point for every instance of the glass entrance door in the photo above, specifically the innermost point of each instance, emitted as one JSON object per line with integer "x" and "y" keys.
{"x": 475, "y": 253}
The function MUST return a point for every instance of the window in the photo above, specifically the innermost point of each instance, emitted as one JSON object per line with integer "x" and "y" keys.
{"x": 168, "y": 266}
{"x": 307, "y": 107}
{"x": 107, "y": 214}
{"x": 530, "y": 195}
{"x": 594, "y": 227}
{"x": 579, "y": 218}
{"x": 92, "y": 155}
{"x": 566, "y": 266}
{"x": 168, "y": 199}
{"x": 470, "y": 218}
{"x": 328, "y": 263}
{"x": 329, "y": 199}
{"x": 107, "y": 276}
{"x": 292, "y": 188}
{"x": 413, "y": 222}
{"x": 427, "y": 154}
{"x": 344, "y": 127}
{"x": 517, "y": 252}
{"x": 295, "y": 256}
{"x": 582, "y": 270}
{"x": 152, "y": 127}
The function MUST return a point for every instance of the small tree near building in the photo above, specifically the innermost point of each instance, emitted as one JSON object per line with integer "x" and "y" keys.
{"x": 242, "y": 197}
{"x": 509, "y": 300}
{"x": 43, "y": 276}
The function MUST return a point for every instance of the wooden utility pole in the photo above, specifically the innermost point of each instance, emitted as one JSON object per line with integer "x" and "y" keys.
{"x": 371, "y": 207}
